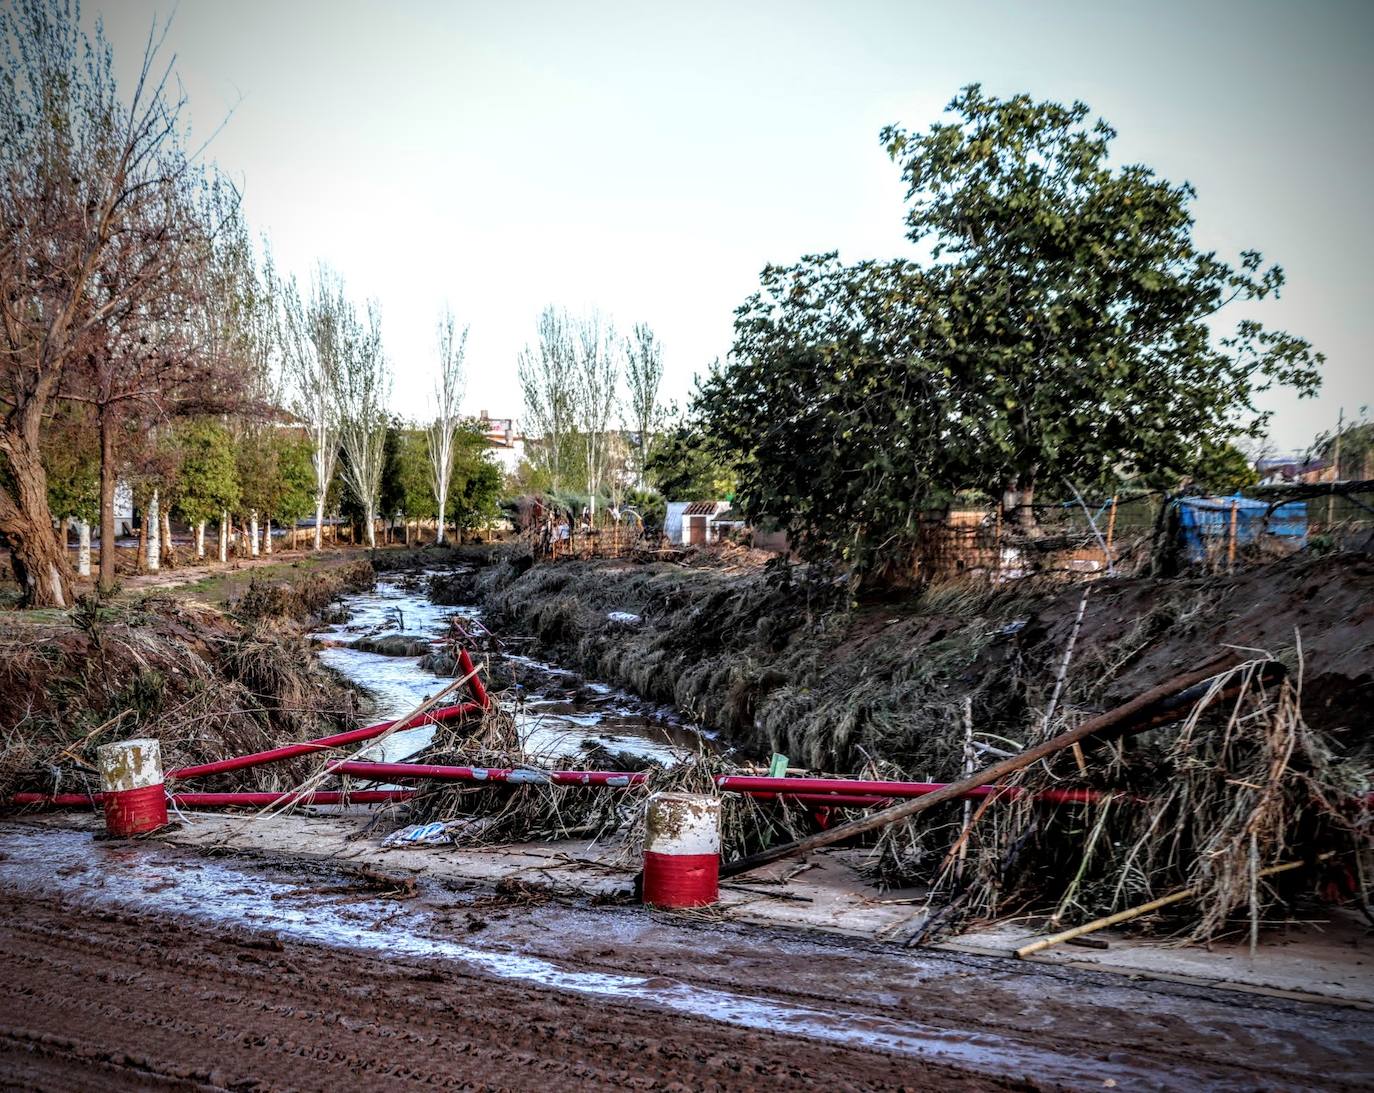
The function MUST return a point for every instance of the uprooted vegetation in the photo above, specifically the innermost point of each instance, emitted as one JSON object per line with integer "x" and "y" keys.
{"x": 207, "y": 684}
{"x": 899, "y": 689}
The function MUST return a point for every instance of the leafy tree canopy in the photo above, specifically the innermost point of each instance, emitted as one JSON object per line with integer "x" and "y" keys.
{"x": 683, "y": 465}
{"x": 1061, "y": 330}
{"x": 208, "y": 482}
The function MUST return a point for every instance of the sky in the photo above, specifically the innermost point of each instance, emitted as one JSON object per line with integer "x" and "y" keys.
{"x": 648, "y": 160}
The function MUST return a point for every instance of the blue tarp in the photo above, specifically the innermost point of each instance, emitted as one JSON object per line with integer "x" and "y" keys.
{"x": 1205, "y": 523}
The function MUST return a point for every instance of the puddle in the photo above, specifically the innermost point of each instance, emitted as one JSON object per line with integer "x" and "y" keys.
{"x": 556, "y": 713}
{"x": 152, "y": 877}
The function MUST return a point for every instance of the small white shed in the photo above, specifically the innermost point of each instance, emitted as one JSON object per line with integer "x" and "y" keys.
{"x": 692, "y": 522}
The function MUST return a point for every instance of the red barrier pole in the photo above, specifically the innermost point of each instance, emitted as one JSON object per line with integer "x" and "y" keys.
{"x": 479, "y": 690}
{"x": 290, "y": 751}
{"x": 735, "y": 783}
{"x": 225, "y": 800}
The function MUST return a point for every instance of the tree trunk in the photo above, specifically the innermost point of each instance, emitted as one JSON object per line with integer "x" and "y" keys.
{"x": 371, "y": 520}
{"x": 152, "y": 531}
{"x": 141, "y": 551}
{"x": 267, "y": 537}
{"x": 1025, "y": 505}
{"x": 26, "y": 524}
{"x": 439, "y": 524}
{"x": 200, "y": 539}
{"x": 168, "y": 551}
{"x": 83, "y": 548}
{"x": 108, "y": 481}
{"x": 319, "y": 520}
{"x": 223, "y": 536}
{"x": 64, "y": 531}
{"x": 253, "y": 533}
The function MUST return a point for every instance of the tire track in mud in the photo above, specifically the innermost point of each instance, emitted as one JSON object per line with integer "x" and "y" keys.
{"x": 127, "y": 1001}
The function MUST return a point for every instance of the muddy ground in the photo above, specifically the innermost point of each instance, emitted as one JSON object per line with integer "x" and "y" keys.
{"x": 146, "y": 966}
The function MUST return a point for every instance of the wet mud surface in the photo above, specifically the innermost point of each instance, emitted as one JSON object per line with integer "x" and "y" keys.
{"x": 143, "y": 965}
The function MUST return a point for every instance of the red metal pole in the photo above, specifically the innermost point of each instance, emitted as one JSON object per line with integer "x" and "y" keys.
{"x": 290, "y": 751}
{"x": 225, "y": 800}
{"x": 735, "y": 783}
{"x": 479, "y": 690}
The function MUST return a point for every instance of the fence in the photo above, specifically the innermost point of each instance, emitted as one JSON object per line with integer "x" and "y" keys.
{"x": 612, "y": 541}
{"x": 1154, "y": 532}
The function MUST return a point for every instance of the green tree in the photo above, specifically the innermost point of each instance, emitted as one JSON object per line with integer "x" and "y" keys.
{"x": 208, "y": 482}
{"x": 295, "y": 497}
{"x": 685, "y": 465}
{"x": 1224, "y": 468}
{"x": 474, "y": 491}
{"x": 1061, "y": 331}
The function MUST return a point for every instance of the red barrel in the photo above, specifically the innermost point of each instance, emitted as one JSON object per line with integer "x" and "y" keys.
{"x": 131, "y": 779}
{"x": 682, "y": 850}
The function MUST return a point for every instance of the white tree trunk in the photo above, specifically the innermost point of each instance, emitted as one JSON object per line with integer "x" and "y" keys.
{"x": 319, "y": 520}
{"x": 223, "y": 536}
{"x": 154, "y": 535}
{"x": 267, "y": 538}
{"x": 253, "y": 533}
{"x": 83, "y": 548}
{"x": 200, "y": 540}
{"x": 371, "y": 528}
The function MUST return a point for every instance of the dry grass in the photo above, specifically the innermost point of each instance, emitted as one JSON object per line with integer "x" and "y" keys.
{"x": 202, "y": 683}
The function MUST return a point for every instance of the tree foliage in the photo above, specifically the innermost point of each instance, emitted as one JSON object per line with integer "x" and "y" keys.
{"x": 683, "y": 466}
{"x": 1060, "y": 331}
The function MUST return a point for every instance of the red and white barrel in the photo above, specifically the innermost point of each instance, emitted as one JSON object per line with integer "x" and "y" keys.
{"x": 131, "y": 778}
{"x": 682, "y": 850}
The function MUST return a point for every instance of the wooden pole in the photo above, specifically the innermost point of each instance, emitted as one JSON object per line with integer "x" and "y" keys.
{"x": 997, "y": 771}
{"x": 1335, "y": 470}
{"x": 1231, "y": 538}
{"x": 1111, "y": 528}
{"x": 1136, "y": 912}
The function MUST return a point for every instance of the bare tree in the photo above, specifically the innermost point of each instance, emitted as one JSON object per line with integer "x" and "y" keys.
{"x": 363, "y": 387}
{"x": 86, "y": 182}
{"x": 310, "y": 345}
{"x": 598, "y": 373}
{"x": 448, "y": 393}
{"x": 643, "y": 374}
{"x": 547, "y": 375}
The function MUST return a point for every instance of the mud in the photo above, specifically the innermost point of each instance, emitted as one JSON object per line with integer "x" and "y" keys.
{"x": 140, "y": 965}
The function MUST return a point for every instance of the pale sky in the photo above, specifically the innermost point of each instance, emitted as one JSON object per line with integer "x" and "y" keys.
{"x": 648, "y": 159}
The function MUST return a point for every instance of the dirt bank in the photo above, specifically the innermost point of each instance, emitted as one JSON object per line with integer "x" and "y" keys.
{"x": 784, "y": 666}
{"x": 206, "y": 682}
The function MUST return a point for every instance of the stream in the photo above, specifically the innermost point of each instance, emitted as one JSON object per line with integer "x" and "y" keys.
{"x": 558, "y": 713}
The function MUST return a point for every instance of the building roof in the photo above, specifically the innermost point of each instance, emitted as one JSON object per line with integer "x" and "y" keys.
{"x": 701, "y": 508}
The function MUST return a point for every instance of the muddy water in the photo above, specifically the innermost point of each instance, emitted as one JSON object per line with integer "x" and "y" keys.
{"x": 558, "y": 713}
{"x": 153, "y": 879}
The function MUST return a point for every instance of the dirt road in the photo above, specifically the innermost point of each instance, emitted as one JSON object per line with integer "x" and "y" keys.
{"x": 145, "y": 966}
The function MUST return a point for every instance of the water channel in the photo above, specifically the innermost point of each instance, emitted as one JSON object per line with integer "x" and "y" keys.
{"x": 559, "y": 714}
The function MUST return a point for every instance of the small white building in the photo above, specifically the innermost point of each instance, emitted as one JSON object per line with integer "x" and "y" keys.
{"x": 692, "y": 522}
{"x": 505, "y": 446}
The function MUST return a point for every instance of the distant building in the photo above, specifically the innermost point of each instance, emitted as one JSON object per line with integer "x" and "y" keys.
{"x": 1278, "y": 469}
{"x": 693, "y": 522}
{"x": 123, "y": 508}
{"x": 506, "y": 446}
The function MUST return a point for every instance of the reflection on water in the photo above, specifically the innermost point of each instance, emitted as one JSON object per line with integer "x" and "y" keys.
{"x": 557, "y": 713}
